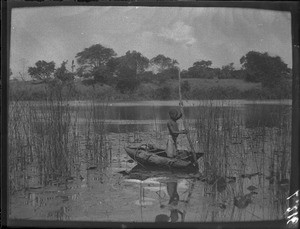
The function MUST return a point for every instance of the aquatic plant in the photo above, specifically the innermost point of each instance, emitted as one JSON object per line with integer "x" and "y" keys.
{"x": 235, "y": 149}
{"x": 45, "y": 146}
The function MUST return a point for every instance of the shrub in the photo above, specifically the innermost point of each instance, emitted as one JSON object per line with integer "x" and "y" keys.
{"x": 185, "y": 87}
{"x": 217, "y": 93}
{"x": 125, "y": 85}
{"x": 254, "y": 94}
{"x": 146, "y": 91}
{"x": 223, "y": 93}
{"x": 283, "y": 90}
{"x": 163, "y": 93}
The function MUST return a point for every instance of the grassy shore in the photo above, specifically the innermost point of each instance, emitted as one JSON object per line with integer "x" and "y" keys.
{"x": 195, "y": 89}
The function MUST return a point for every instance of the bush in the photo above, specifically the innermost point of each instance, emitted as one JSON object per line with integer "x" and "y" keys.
{"x": 163, "y": 93}
{"x": 280, "y": 91}
{"x": 217, "y": 93}
{"x": 224, "y": 93}
{"x": 125, "y": 85}
{"x": 146, "y": 91}
{"x": 232, "y": 93}
{"x": 199, "y": 94}
{"x": 254, "y": 94}
{"x": 283, "y": 90}
{"x": 185, "y": 87}
{"x": 88, "y": 82}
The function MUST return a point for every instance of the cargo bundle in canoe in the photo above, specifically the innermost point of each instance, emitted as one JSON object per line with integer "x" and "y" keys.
{"x": 148, "y": 155}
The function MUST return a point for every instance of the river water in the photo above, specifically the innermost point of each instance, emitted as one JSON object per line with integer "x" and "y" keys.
{"x": 120, "y": 190}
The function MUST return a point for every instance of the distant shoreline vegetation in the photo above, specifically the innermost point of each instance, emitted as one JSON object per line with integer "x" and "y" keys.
{"x": 205, "y": 89}
{"x": 100, "y": 74}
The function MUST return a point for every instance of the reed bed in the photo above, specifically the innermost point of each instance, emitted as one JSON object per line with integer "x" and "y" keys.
{"x": 45, "y": 143}
{"x": 217, "y": 128}
{"x": 240, "y": 147}
{"x": 99, "y": 148}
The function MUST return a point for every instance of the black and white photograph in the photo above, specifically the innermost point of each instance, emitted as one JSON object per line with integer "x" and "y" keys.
{"x": 138, "y": 114}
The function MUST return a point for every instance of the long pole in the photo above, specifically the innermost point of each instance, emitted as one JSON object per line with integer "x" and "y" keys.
{"x": 184, "y": 123}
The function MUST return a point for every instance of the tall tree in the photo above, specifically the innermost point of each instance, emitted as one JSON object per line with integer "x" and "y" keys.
{"x": 227, "y": 71}
{"x": 63, "y": 74}
{"x": 128, "y": 68}
{"x": 202, "y": 64}
{"x": 133, "y": 60}
{"x": 42, "y": 70}
{"x": 163, "y": 63}
{"x": 93, "y": 62}
{"x": 95, "y": 55}
{"x": 200, "y": 69}
{"x": 261, "y": 67}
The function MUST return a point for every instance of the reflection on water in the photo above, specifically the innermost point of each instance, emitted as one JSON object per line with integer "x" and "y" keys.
{"x": 149, "y": 196}
{"x": 167, "y": 187}
{"x": 143, "y": 118}
{"x": 117, "y": 189}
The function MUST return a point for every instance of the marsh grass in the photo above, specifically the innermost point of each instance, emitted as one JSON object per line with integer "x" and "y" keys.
{"x": 45, "y": 144}
{"x": 248, "y": 149}
{"x": 214, "y": 132}
{"x": 97, "y": 143}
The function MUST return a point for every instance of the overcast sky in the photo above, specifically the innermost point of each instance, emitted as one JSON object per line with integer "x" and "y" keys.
{"x": 222, "y": 35}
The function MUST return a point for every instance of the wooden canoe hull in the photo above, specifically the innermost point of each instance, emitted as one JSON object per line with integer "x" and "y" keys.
{"x": 158, "y": 159}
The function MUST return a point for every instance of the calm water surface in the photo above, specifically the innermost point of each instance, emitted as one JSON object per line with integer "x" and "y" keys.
{"x": 121, "y": 191}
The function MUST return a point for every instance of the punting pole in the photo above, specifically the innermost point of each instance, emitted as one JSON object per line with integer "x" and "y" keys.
{"x": 183, "y": 119}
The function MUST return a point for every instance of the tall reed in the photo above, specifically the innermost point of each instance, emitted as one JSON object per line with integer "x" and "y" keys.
{"x": 244, "y": 143}
{"x": 97, "y": 143}
{"x": 41, "y": 143}
{"x": 217, "y": 127}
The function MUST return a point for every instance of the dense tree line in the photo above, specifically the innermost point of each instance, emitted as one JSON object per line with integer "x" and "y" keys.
{"x": 101, "y": 65}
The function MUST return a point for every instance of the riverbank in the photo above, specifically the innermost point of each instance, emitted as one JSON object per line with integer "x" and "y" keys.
{"x": 193, "y": 89}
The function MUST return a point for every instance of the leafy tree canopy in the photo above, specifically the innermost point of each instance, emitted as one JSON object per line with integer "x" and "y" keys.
{"x": 63, "y": 74}
{"x": 102, "y": 74}
{"x": 95, "y": 56}
{"x": 203, "y": 64}
{"x": 170, "y": 73}
{"x": 134, "y": 61}
{"x": 227, "y": 71}
{"x": 95, "y": 63}
{"x": 261, "y": 67}
{"x": 228, "y": 67}
{"x": 127, "y": 70}
{"x": 42, "y": 70}
{"x": 200, "y": 69}
{"x": 163, "y": 63}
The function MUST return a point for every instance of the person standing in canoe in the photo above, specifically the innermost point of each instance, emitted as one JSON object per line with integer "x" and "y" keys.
{"x": 174, "y": 132}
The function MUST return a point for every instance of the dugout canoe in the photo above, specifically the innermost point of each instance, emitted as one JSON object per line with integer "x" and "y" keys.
{"x": 150, "y": 156}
